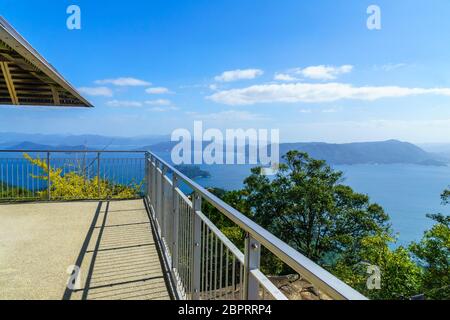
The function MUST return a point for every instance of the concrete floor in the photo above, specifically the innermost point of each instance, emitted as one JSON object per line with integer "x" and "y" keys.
{"x": 111, "y": 242}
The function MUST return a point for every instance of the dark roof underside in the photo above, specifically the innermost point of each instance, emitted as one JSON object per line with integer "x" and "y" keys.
{"x": 26, "y": 78}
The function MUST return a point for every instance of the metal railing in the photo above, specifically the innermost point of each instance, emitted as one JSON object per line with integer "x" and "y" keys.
{"x": 52, "y": 174}
{"x": 203, "y": 262}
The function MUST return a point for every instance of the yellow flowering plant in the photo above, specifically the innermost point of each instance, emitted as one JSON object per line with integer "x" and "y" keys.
{"x": 73, "y": 185}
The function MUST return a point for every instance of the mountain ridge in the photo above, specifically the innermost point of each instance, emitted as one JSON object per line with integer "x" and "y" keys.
{"x": 378, "y": 152}
{"x": 8, "y": 139}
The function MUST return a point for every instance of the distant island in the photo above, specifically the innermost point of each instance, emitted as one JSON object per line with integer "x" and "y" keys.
{"x": 27, "y": 145}
{"x": 378, "y": 152}
{"x": 192, "y": 171}
{"x": 8, "y": 139}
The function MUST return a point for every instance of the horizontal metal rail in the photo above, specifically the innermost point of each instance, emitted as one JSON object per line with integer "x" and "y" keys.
{"x": 204, "y": 263}
{"x": 71, "y": 175}
{"x": 257, "y": 236}
{"x": 72, "y": 151}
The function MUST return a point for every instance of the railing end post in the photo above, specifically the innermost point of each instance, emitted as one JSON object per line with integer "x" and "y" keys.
{"x": 196, "y": 240}
{"x": 49, "y": 196}
{"x": 252, "y": 258}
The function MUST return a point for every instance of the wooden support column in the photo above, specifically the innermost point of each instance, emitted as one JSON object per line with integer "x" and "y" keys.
{"x": 55, "y": 94}
{"x": 9, "y": 82}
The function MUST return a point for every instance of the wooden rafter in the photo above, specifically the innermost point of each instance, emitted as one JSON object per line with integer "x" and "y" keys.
{"x": 29, "y": 78}
{"x": 9, "y": 82}
{"x": 55, "y": 95}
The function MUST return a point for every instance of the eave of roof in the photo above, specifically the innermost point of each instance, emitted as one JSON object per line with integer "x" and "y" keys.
{"x": 26, "y": 78}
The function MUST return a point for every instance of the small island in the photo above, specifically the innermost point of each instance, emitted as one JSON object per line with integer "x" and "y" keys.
{"x": 192, "y": 171}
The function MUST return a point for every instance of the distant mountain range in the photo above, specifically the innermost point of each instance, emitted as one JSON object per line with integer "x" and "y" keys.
{"x": 382, "y": 152}
{"x": 437, "y": 148}
{"x": 8, "y": 139}
{"x": 27, "y": 145}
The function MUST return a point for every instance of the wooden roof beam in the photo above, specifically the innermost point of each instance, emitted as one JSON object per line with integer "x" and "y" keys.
{"x": 55, "y": 95}
{"x": 9, "y": 83}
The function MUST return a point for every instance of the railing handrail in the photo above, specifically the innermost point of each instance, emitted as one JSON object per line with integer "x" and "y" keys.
{"x": 311, "y": 271}
{"x": 73, "y": 151}
{"x": 316, "y": 275}
{"x": 52, "y": 158}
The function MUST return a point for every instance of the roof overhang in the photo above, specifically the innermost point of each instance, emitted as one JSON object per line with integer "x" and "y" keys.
{"x": 26, "y": 78}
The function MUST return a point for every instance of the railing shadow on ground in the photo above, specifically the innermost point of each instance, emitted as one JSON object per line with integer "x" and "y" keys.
{"x": 119, "y": 258}
{"x": 205, "y": 263}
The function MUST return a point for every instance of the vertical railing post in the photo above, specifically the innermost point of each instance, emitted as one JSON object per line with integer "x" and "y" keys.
{"x": 163, "y": 201}
{"x": 98, "y": 176}
{"x": 154, "y": 185}
{"x": 251, "y": 261}
{"x": 196, "y": 250}
{"x": 153, "y": 177}
{"x": 49, "y": 196}
{"x": 157, "y": 192}
{"x": 147, "y": 175}
{"x": 176, "y": 217}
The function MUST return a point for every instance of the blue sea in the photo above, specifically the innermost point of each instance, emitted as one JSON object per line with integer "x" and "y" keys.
{"x": 406, "y": 192}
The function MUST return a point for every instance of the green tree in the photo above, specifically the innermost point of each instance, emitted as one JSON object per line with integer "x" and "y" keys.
{"x": 307, "y": 206}
{"x": 399, "y": 276}
{"x": 229, "y": 228}
{"x": 445, "y": 196}
{"x": 433, "y": 255}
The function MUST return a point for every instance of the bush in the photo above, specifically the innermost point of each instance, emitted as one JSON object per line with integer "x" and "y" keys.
{"x": 72, "y": 185}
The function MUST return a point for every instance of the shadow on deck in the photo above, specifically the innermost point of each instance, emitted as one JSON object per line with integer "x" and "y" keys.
{"x": 116, "y": 254}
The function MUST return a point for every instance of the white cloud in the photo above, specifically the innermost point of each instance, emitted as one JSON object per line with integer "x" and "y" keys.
{"x": 316, "y": 92}
{"x": 332, "y": 110}
{"x": 392, "y": 66}
{"x": 157, "y": 90}
{"x": 228, "y": 115}
{"x": 323, "y": 72}
{"x": 413, "y": 130}
{"x": 234, "y": 75}
{"x": 123, "y": 103}
{"x": 164, "y": 109}
{"x": 213, "y": 87}
{"x": 96, "y": 91}
{"x": 159, "y": 102}
{"x": 284, "y": 77}
{"x": 124, "y": 82}
{"x": 160, "y": 105}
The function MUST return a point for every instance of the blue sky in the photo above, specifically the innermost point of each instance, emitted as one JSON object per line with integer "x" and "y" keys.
{"x": 309, "y": 68}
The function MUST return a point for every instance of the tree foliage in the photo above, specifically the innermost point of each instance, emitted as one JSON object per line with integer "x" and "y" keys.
{"x": 73, "y": 185}
{"x": 308, "y": 207}
{"x": 399, "y": 275}
{"x": 433, "y": 255}
{"x": 8, "y": 192}
{"x": 445, "y": 196}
